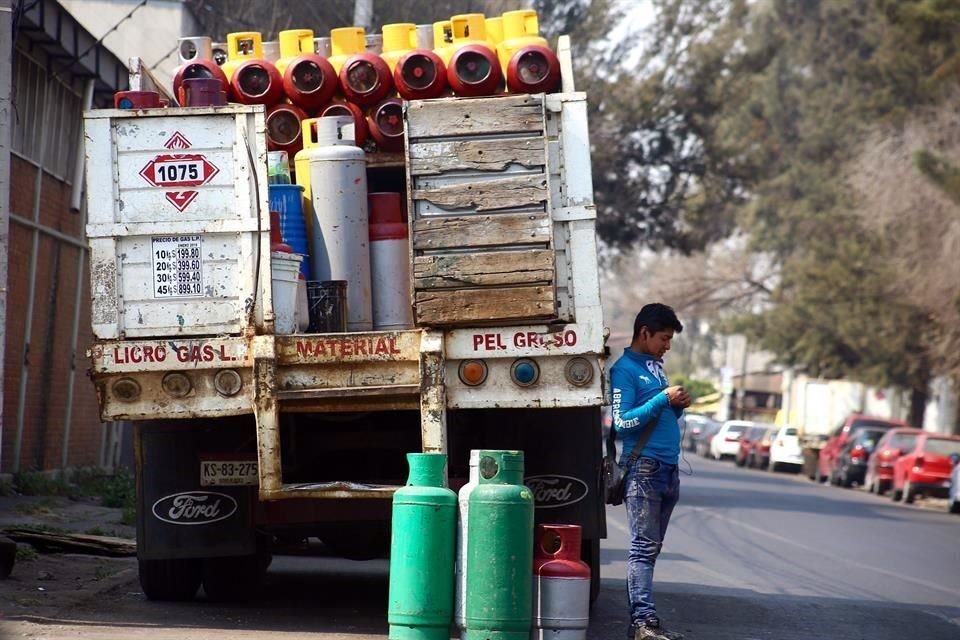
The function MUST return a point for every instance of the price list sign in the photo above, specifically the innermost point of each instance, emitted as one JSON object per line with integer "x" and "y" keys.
{"x": 177, "y": 267}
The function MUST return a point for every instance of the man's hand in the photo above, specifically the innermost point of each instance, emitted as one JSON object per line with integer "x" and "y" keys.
{"x": 678, "y": 396}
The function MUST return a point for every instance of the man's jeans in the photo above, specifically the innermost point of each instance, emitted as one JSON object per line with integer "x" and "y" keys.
{"x": 652, "y": 490}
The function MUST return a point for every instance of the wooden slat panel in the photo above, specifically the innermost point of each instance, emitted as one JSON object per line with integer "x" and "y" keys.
{"x": 476, "y": 116}
{"x": 433, "y": 158}
{"x": 492, "y": 268}
{"x": 488, "y": 195}
{"x": 465, "y": 306}
{"x": 436, "y": 233}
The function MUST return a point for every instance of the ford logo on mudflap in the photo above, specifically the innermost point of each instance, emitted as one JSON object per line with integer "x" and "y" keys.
{"x": 551, "y": 491}
{"x": 195, "y": 507}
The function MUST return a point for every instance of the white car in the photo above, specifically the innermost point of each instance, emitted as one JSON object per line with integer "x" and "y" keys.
{"x": 726, "y": 443}
{"x": 785, "y": 449}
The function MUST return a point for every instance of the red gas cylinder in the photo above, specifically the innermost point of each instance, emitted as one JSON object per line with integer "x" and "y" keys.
{"x": 474, "y": 71}
{"x": 365, "y": 79}
{"x": 533, "y": 69}
{"x": 561, "y": 584}
{"x": 309, "y": 81}
{"x": 386, "y": 124}
{"x": 284, "y": 132}
{"x": 199, "y": 69}
{"x": 136, "y": 100}
{"x": 420, "y": 75}
{"x": 343, "y": 108}
{"x": 389, "y": 262}
{"x": 256, "y": 82}
{"x": 201, "y": 92}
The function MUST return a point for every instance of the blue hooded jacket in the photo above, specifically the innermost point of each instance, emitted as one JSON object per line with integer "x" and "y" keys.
{"x": 638, "y": 381}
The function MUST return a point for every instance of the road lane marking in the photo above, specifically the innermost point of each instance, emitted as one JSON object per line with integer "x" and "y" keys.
{"x": 854, "y": 563}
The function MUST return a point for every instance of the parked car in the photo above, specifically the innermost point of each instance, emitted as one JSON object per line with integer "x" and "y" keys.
{"x": 925, "y": 470}
{"x": 749, "y": 440}
{"x": 840, "y": 436}
{"x": 759, "y": 457}
{"x": 785, "y": 449}
{"x": 850, "y": 466}
{"x": 702, "y": 442}
{"x": 693, "y": 426}
{"x": 953, "y": 500}
{"x": 726, "y": 442}
{"x": 879, "y": 474}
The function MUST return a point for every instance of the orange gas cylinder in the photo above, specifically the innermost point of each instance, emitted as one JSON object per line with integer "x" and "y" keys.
{"x": 473, "y": 69}
{"x": 385, "y": 121}
{"x": 196, "y": 61}
{"x": 365, "y": 79}
{"x": 256, "y": 82}
{"x": 526, "y": 58}
{"x": 343, "y": 108}
{"x": 284, "y": 131}
{"x": 344, "y": 43}
{"x": 420, "y": 75}
{"x": 398, "y": 40}
{"x": 241, "y": 47}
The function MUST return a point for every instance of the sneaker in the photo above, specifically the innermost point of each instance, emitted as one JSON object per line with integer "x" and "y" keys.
{"x": 651, "y": 629}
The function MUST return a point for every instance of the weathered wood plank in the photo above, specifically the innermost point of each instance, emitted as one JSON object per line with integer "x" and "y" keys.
{"x": 491, "y": 268}
{"x": 436, "y": 233}
{"x": 433, "y": 158}
{"x": 465, "y": 306}
{"x": 488, "y": 195}
{"x": 474, "y": 116}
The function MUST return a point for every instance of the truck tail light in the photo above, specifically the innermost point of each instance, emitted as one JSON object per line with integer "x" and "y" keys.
{"x": 473, "y": 372}
{"x": 579, "y": 372}
{"x": 126, "y": 389}
{"x": 525, "y": 372}
{"x": 177, "y": 385}
{"x": 227, "y": 382}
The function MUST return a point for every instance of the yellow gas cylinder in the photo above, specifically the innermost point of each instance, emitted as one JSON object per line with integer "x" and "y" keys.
{"x": 494, "y": 28}
{"x": 293, "y": 43}
{"x": 529, "y": 64}
{"x": 443, "y": 40}
{"x": 241, "y": 47}
{"x": 473, "y": 69}
{"x": 398, "y": 39}
{"x": 521, "y": 28}
{"x": 301, "y": 166}
{"x": 344, "y": 43}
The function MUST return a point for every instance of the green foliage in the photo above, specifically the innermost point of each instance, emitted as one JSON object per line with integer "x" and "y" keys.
{"x": 36, "y": 483}
{"x": 940, "y": 172}
{"x": 26, "y": 553}
{"x": 695, "y": 387}
{"x": 115, "y": 490}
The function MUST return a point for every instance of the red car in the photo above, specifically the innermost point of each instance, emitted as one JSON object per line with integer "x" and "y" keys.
{"x": 831, "y": 450}
{"x": 749, "y": 441}
{"x": 892, "y": 445}
{"x": 926, "y": 469}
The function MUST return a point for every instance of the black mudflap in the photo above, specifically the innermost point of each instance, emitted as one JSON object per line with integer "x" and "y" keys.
{"x": 562, "y": 452}
{"x": 179, "y": 517}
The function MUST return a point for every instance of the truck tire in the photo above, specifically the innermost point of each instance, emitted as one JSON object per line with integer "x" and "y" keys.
{"x": 232, "y": 578}
{"x": 174, "y": 579}
{"x": 590, "y": 553}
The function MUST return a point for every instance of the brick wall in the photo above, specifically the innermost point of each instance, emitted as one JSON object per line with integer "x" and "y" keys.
{"x": 49, "y": 357}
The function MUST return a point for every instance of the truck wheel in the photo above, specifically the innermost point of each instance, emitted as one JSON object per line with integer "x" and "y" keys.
{"x": 174, "y": 579}
{"x": 232, "y": 578}
{"x": 590, "y": 553}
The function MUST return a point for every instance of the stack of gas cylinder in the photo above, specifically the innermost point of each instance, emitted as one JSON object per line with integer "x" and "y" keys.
{"x": 492, "y": 574}
{"x": 365, "y": 76}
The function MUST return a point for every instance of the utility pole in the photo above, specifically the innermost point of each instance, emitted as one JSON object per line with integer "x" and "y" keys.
{"x": 363, "y": 14}
{"x": 6, "y": 115}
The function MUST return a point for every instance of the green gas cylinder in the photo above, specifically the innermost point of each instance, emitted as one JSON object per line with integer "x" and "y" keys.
{"x": 499, "y": 550}
{"x": 422, "y": 552}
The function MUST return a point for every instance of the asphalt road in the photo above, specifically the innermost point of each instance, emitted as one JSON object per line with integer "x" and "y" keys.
{"x": 749, "y": 555}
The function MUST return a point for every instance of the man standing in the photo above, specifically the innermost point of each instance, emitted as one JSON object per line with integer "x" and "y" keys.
{"x": 643, "y": 400}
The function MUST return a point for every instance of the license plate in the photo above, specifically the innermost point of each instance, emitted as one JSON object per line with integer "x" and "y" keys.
{"x": 222, "y": 473}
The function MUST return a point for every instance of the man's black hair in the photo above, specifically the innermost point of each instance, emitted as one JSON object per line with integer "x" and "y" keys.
{"x": 656, "y": 317}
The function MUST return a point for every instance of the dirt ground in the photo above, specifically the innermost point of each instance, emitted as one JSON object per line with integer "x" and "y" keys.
{"x": 45, "y": 582}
